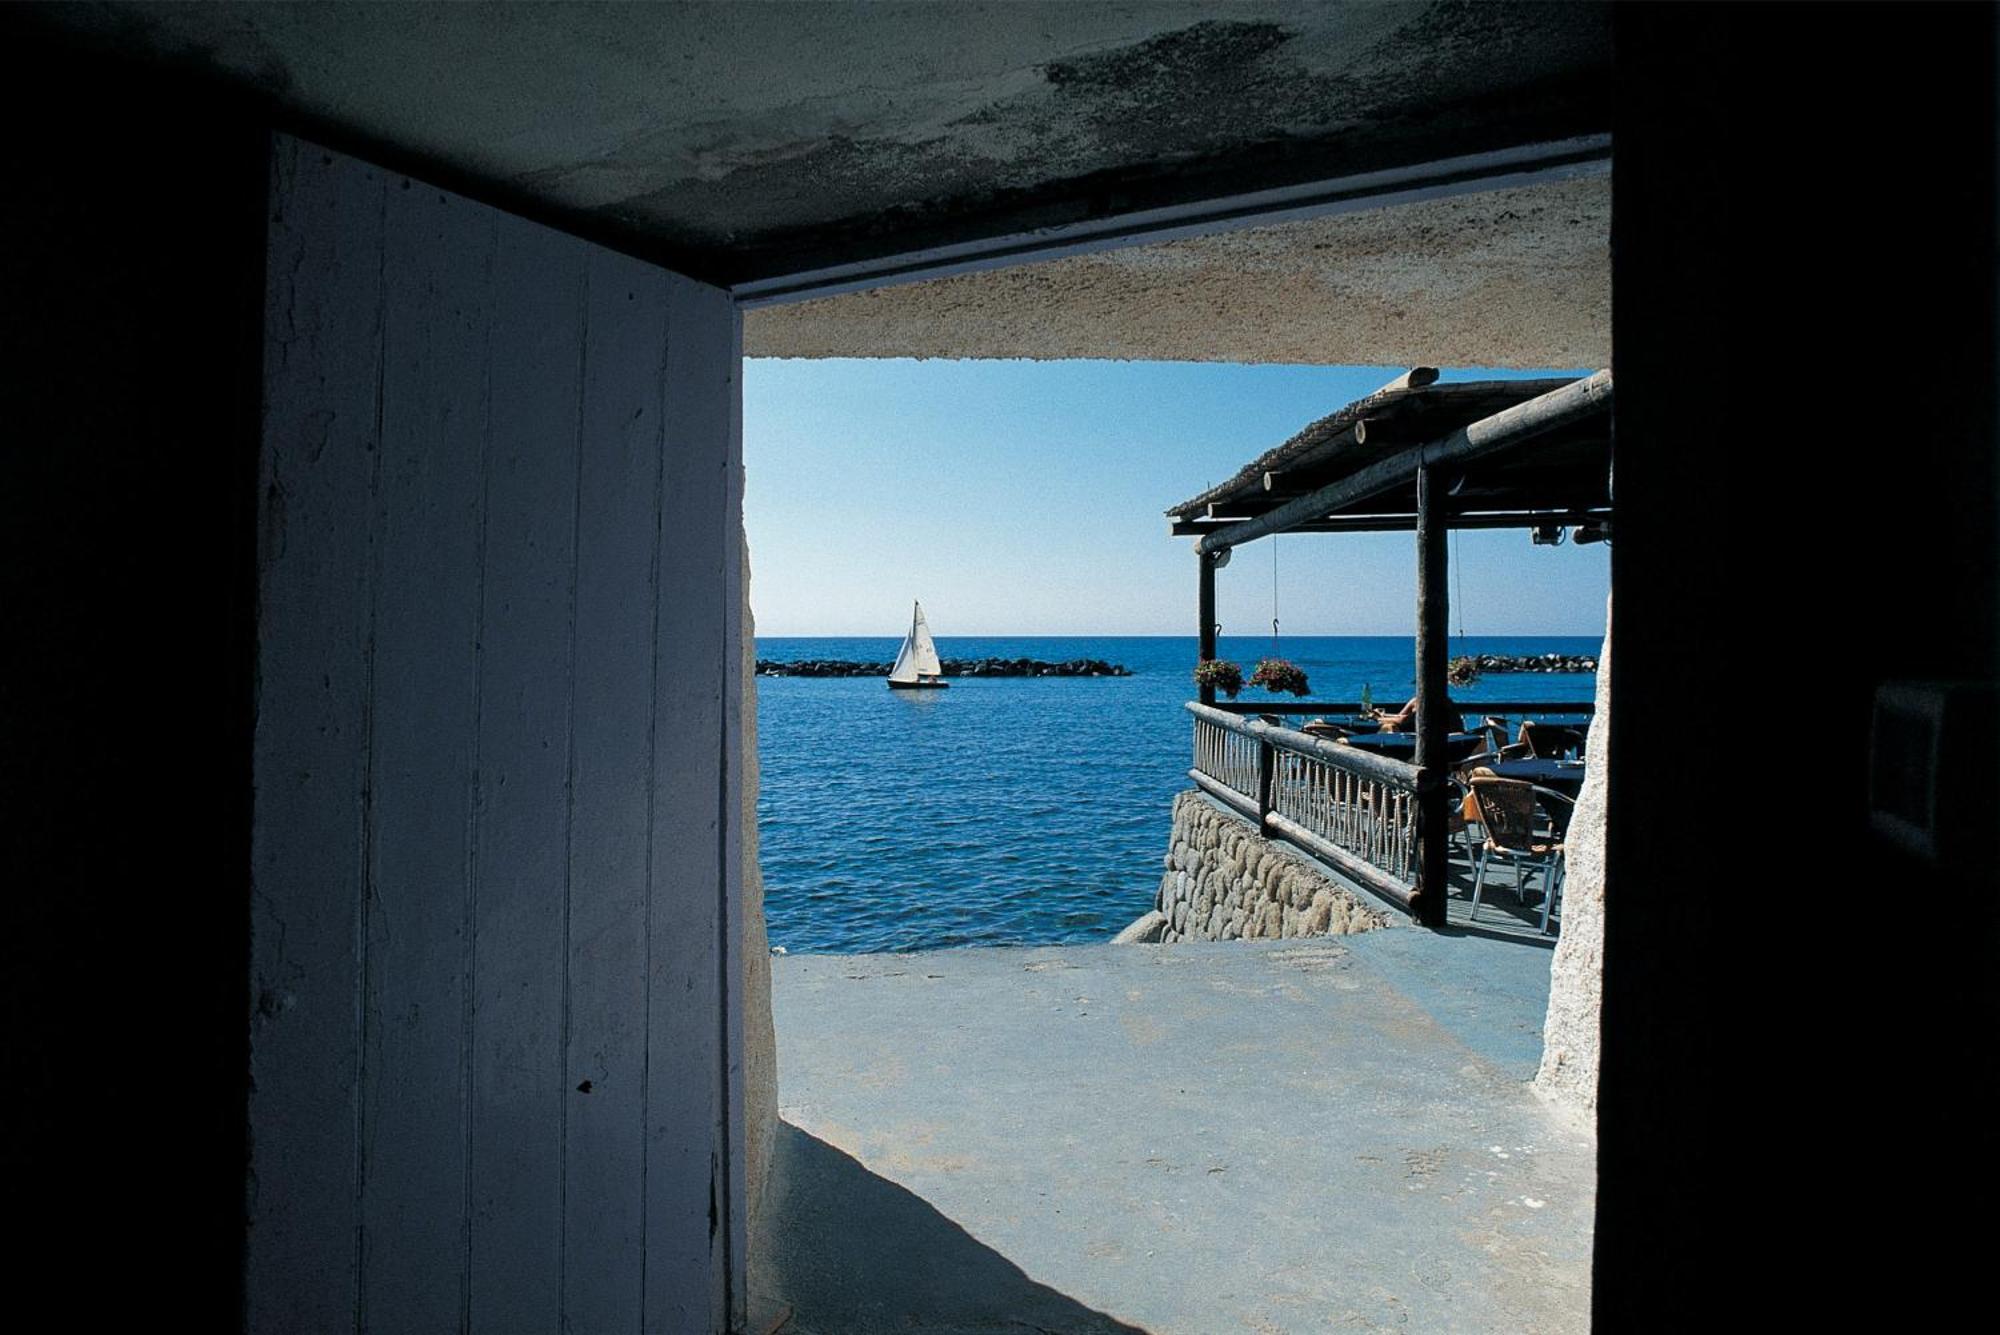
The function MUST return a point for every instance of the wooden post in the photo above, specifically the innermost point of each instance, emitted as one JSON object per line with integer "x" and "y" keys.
{"x": 1205, "y": 612}
{"x": 1267, "y": 763}
{"x": 1433, "y": 608}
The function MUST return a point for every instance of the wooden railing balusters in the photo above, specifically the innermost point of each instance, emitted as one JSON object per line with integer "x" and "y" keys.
{"x": 1349, "y": 808}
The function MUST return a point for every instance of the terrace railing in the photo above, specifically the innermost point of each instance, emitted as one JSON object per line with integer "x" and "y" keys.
{"x": 1348, "y": 808}
{"x": 1369, "y": 815}
{"x": 1231, "y": 755}
{"x": 1473, "y": 710}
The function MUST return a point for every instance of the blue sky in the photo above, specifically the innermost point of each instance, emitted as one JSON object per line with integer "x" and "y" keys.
{"x": 1021, "y": 498}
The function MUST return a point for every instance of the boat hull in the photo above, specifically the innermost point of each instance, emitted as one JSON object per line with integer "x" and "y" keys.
{"x": 918, "y": 685}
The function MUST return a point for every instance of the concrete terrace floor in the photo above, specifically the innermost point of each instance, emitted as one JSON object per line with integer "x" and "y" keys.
{"x": 1330, "y": 1134}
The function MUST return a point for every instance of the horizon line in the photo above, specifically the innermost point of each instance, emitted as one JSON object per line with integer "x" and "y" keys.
{"x": 1178, "y": 635}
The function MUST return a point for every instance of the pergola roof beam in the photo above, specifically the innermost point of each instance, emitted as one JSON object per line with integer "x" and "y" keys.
{"x": 1404, "y": 522}
{"x": 1513, "y": 426}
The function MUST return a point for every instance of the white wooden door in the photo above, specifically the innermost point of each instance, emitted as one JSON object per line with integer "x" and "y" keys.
{"x": 495, "y": 775}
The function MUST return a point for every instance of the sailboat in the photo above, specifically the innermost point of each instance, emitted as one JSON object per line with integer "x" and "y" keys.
{"x": 917, "y": 667}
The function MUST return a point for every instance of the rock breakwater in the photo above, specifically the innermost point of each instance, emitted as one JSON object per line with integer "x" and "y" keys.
{"x": 1533, "y": 662}
{"x": 953, "y": 667}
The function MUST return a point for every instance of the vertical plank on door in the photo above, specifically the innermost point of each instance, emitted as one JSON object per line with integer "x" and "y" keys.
{"x": 698, "y": 565}
{"x": 521, "y": 822}
{"x": 427, "y": 601}
{"x": 321, "y": 375}
{"x": 611, "y": 848}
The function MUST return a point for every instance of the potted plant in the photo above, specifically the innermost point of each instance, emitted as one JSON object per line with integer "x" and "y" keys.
{"x": 1279, "y": 675}
{"x": 1219, "y": 674}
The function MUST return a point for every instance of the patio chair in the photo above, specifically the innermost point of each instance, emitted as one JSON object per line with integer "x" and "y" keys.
{"x": 1507, "y": 812}
{"x": 1461, "y": 816}
{"x": 1550, "y": 741}
{"x": 1560, "y": 808}
{"x": 1319, "y": 727}
{"x": 1460, "y": 769}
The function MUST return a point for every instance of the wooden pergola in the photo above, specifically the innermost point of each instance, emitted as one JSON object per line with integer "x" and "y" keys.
{"x": 1429, "y": 457}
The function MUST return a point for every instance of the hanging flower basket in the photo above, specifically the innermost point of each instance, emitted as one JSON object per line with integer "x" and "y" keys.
{"x": 1462, "y": 671}
{"x": 1219, "y": 674}
{"x": 1280, "y": 675}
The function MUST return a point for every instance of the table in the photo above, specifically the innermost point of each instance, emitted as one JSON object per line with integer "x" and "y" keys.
{"x": 1403, "y": 745}
{"x": 1562, "y": 776}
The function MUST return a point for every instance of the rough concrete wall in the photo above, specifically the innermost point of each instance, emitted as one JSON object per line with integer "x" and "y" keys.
{"x": 760, "y": 1039}
{"x": 1518, "y": 277}
{"x": 1576, "y": 981}
{"x": 1225, "y": 882}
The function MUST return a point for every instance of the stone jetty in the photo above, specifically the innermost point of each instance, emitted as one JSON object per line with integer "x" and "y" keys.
{"x": 953, "y": 667}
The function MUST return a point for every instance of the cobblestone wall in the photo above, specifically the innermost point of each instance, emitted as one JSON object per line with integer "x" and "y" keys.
{"x": 1225, "y": 882}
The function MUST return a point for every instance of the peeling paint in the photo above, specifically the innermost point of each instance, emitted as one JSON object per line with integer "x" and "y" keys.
{"x": 716, "y": 126}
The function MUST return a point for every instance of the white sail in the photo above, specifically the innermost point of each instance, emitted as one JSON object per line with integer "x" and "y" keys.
{"x": 922, "y": 650}
{"x": 918, "y": 656}
{"x": 906, "y": 668}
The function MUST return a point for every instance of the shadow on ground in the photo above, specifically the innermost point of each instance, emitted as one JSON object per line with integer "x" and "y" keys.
{"x": 848, "y": 1251}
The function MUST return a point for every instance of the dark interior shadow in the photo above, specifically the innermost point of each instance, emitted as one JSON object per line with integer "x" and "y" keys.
{"x": 849, "y": 1251}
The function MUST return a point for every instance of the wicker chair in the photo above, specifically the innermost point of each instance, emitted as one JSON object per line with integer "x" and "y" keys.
{"x": 1461, "y": 816}
{"x": 1507, "y": 812}
{"x": 1550, "y": 741}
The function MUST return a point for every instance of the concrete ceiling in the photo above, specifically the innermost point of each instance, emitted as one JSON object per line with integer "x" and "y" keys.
{"x": 1518, "y": 278}
{"x": 743, "y": 140}
{"x": 739, "y": 141}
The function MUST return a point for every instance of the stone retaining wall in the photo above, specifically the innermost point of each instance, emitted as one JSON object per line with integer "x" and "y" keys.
{"x": 1225, "y": 882}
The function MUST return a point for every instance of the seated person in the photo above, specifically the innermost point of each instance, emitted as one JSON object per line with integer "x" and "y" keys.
{"x": 1405, "y": 719}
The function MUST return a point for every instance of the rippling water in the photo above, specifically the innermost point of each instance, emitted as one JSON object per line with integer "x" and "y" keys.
{"x": 1012, "y": 811}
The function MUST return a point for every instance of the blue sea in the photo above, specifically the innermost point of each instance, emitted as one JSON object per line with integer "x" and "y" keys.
{"x": 1017, "y": 811}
